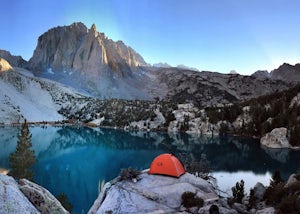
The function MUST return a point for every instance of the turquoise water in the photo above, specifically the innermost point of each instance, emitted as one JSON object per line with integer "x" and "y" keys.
{"x": 75, "y": 160}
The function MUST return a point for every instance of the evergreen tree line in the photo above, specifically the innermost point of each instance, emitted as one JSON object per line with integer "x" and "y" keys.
{"x": 280, "y": 195}
{"x": 267, "y": 112}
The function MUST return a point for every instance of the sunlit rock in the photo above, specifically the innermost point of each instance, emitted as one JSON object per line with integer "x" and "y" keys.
{"x": 4, "y": 66}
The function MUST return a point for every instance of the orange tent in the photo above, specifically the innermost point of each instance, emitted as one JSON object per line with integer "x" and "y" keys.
{"x": 166, "y": 164}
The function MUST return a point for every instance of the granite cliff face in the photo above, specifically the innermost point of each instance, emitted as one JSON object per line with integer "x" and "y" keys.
{"x": 89, "y": 61}
{"x": 76, "y": 48}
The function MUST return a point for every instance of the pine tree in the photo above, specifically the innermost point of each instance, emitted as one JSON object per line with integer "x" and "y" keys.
{"x": 23, "y": 158}
{"x": 238, "y": 191}
{"x": 276, "y": 178}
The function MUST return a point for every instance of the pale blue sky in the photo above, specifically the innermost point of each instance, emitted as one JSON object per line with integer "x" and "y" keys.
{"x": 214, "y": 35}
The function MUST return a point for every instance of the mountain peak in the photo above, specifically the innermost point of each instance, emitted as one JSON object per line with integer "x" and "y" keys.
{"x": 287, "y": 72}
{"x": 78, "y": 24}
{"x": 94, "y": 28}
{"x": 84, "y": 56}
{"x": 285, "y": 65}
{"x": 261, "y": 74}
{"x": 75, "y": 48}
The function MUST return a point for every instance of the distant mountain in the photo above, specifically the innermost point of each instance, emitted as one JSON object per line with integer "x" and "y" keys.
{"x": 78, "y": 49}
{"x": 287, "y": 72}
{"x": 88, "y": 60}
{"x": 187, "y": 67}
{"x": 166, "y": 65}
{"x": 161, "y": 65}
{"x": 97, "y": 66}
{"x": 261, "y": 74}
{"x": 212, "y": 88}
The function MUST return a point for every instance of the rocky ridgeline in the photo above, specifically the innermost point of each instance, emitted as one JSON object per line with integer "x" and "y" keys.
{"x": 88, "y": 60}
{"x": 285, "y": 72}
{"x": 212, "y": 88}
{"x": 106, "y": 69}
{"x": 15, "y": 61}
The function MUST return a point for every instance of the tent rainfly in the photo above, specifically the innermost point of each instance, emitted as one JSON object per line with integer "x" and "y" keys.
{"x": 166, "y": 164}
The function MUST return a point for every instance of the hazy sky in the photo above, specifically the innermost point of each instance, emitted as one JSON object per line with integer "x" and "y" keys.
{"x": 214, "y": 35}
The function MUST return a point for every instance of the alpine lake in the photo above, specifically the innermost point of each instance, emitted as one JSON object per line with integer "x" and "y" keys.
{"x": 76, "y": 160}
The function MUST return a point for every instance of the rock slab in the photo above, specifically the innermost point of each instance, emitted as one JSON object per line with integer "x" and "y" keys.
{"x": 41, "y": 198}
{"x": 152, "y": 194}
{"x": 11, "y": 198}
{"x": 26, "y": 198}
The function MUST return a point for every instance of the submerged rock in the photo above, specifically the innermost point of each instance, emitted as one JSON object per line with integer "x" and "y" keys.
{"x": 282, "y": 155}
{"x": 153, "y": 193}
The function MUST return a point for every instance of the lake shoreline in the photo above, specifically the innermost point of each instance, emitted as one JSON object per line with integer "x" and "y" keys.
{"x": 74, "y": 123}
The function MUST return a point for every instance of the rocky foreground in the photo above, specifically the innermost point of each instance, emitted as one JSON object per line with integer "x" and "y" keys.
{"x": 144, "y": 194}
{"x": 163, "y": 194}
{"x": 26, "y": 197}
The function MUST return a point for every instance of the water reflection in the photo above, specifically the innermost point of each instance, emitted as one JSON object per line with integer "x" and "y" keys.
{"x": 74, "y": 160}
{"x": 226, "y": 180}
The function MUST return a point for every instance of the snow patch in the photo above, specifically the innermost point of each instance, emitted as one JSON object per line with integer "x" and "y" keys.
{"x": 49, "y": 70}
{"x": 98, "y": 121}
